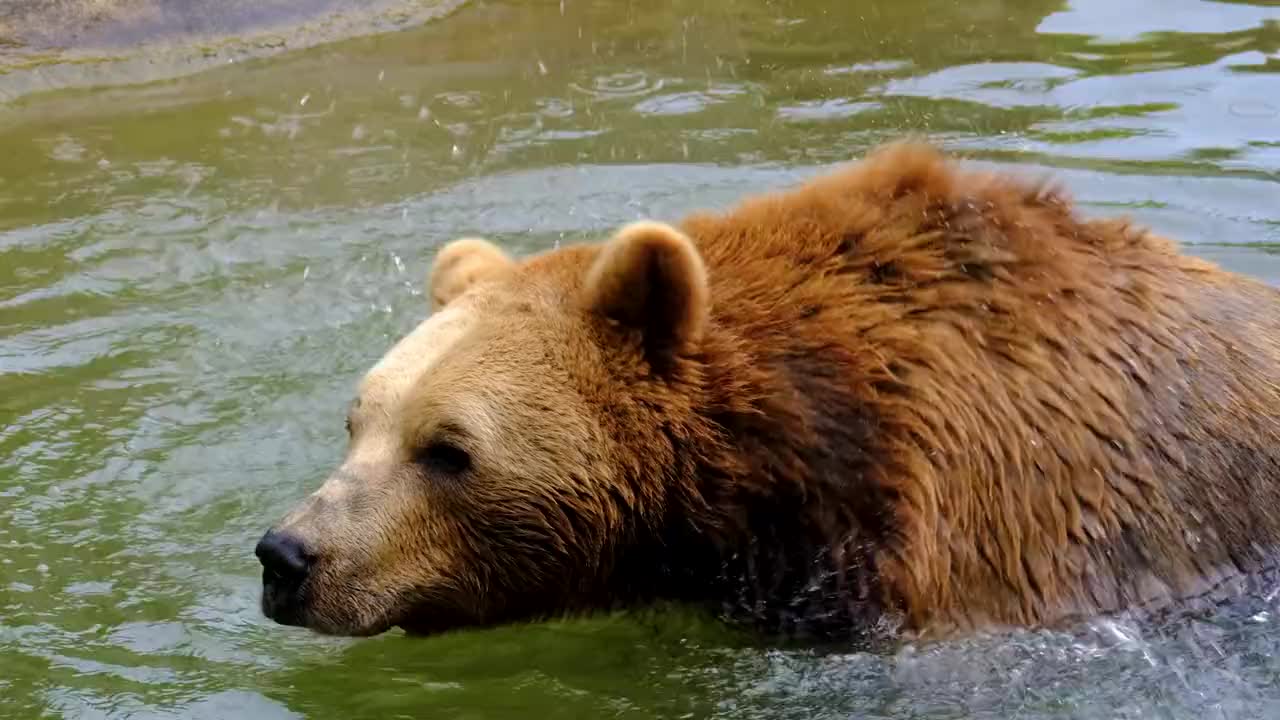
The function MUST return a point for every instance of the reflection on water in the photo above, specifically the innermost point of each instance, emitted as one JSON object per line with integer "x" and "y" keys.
{"x": 1112, "y": 21}
{"x": 194, "y": 272}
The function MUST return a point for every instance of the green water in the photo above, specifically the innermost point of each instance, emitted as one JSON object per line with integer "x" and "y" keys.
{"x": 195, "y": 271}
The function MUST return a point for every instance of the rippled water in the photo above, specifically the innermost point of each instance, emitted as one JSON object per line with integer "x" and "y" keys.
{"x": 193, "y": 274}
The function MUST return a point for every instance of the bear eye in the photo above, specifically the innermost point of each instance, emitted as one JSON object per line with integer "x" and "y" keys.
{"x": 443, "y": 457}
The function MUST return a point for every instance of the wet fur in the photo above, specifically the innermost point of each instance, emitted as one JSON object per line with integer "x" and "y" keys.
{"x": 944, "y": 394}
{"x": 997, "y": 413}
{"x": 902, "y": 390}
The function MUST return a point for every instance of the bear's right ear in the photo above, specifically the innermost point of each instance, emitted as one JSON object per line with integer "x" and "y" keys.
{"x": 461, "y": 264}
{"x": 649, "y": 277}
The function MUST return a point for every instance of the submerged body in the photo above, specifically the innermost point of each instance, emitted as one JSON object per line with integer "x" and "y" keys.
{"x": 901, "y": 389}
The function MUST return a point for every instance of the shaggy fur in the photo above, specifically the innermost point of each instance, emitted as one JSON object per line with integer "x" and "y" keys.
{"x": 1003, "y": 413}
{"x": 901, "y": 389}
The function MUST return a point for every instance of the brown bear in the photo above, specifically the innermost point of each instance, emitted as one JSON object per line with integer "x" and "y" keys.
{"x": 904, "y": 393}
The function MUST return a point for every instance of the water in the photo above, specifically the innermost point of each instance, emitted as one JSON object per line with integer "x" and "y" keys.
{"x": 195, "y": 270}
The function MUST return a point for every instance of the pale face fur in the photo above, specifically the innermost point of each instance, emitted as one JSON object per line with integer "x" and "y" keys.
{"x": 478, "y": 484}
{"x": 352, "y": 521}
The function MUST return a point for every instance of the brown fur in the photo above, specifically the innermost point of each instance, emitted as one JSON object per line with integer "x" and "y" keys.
{"x": 902, "y": 388}
{"x": 461, "y": 264}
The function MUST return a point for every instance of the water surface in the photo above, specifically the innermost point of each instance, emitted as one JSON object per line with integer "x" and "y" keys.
{"x": 194, "y": 272}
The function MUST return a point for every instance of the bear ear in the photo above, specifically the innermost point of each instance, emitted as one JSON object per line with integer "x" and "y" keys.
{"x": 649, "y": 277}
{"x": 461, "y": 264}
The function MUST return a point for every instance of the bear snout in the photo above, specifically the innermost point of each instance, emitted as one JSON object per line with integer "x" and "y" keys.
{"x": 285, "y": 567}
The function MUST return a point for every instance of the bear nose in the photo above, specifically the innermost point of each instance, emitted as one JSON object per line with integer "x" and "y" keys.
{"x": 284, "y": 558}
{"x": 285, "y": 564}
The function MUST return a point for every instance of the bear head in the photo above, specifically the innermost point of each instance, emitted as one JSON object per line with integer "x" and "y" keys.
{"x": 509, "y": 455}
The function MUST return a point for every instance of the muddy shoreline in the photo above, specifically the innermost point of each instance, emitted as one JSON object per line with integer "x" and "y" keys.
{"x": 48, "y": 45}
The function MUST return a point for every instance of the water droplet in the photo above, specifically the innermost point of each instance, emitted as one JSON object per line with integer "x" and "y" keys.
{"x": 306, "y": 273}
{"x": 457, "y": 152}
{"x": 357, "y": 132}
{"x": 423, "y": 113}
{"x": 42, "y": 569}
{"x": 305, "y": 98}
{"x": 542, "y": 67}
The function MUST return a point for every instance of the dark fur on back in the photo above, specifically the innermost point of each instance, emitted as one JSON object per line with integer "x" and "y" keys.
{"x": 944, "y": 395}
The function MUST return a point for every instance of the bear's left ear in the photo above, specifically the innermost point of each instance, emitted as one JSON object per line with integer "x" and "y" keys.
{"x": 649, "y": 277}
{"x": 461, "y": 264}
